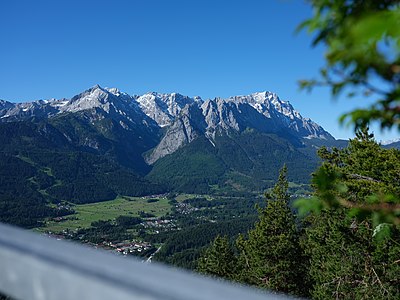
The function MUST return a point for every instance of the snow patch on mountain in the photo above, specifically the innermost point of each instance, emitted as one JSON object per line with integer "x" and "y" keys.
{"x": 164, "y": 108}
{"x": 388, "y": 142}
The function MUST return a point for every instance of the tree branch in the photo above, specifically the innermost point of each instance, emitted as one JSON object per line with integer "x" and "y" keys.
{"x": 361, "y": 177}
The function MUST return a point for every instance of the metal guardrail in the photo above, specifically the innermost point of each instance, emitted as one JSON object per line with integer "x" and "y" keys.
{"x": 36, "y": 267}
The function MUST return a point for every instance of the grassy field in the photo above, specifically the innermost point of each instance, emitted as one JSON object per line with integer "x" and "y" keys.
{"x": 127, "y": 206}
{"x": 183, "y": 197}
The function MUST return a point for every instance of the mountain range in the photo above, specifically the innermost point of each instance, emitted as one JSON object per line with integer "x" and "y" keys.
{"x": 262, "y": 111}
{"x": 103, "y": 142}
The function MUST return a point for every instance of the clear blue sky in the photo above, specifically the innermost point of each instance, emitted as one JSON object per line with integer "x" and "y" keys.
{"x": 55, "y": 49}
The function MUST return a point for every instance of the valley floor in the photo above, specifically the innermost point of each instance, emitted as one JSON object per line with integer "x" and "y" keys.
{"x": 173, "y": 228}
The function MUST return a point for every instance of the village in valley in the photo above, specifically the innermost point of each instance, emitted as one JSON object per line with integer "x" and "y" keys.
{"x": 142, "y": 226}
{"x": 154, "y": 220}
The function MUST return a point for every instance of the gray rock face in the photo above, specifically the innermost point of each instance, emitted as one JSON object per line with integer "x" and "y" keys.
{"x": 264, "y": 112}
{"x": 96, "y": 102}
{"x": 282, "y": 114}
{"x": 20, "y": 111}
{"x": 187, "y": 127}
{"x": 4, "y": 107}
{"x": 164, "y": 108}
{"x": 225, "y": 115}
{"x": 5, "y": 104}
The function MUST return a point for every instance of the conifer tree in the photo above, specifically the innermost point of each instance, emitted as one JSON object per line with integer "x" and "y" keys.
{"x": 271, "y": 256}
{"x": 349, "y": 258}
{"x": 219, "y": 259}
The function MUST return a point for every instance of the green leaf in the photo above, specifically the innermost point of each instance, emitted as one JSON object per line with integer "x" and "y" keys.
{"x": 307, "y": 205}
{"x": 382, "y": 232}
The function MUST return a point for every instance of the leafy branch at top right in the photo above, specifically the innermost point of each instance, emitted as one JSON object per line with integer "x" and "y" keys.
{"x": 362, "y": 39}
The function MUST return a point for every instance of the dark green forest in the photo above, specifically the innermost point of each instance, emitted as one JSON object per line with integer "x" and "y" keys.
{"x": 39, "y": 166}
{"x": 235, "y": 158}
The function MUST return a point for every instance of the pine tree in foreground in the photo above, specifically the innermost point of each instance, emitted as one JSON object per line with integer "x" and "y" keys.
{"x": 219, "y": 259}
{"x": 271, "y": 257}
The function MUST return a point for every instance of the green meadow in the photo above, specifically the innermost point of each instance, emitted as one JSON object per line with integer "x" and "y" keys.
{"x": 85, "y": 214}
{"x": 183, "y": 197}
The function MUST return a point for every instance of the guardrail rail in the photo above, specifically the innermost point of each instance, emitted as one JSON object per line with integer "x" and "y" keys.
{"x": 36, "y": 267}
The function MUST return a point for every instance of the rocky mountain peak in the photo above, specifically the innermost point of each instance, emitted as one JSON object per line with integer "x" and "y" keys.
{"x": 5, "y": 104}
{"x": 110, "y": 100}
{"x": 4, "y": 107}
{"x": 113, "y": 91}
{"x": 163, "y": 108}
